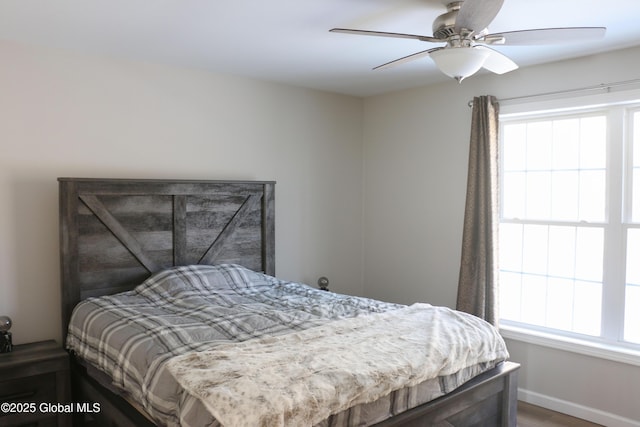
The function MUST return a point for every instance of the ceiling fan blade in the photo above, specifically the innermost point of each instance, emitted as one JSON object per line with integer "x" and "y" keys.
{"x": 476, "y": 15}
{"x": 407, "y": 58}
{"x": 496, "y": 62}
{"x": 545, "y": 36}
{"x": 386, "y": 34}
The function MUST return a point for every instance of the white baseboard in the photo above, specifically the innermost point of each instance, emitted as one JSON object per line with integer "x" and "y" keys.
{"x": 575, "y": 410}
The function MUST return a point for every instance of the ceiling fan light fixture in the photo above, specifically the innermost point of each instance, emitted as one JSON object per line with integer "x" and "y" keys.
{"x": 459, "y": 62}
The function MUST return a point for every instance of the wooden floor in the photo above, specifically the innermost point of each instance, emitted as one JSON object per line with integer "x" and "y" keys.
{"x": 531, "y": 416}
{"x": 535, "y": 416}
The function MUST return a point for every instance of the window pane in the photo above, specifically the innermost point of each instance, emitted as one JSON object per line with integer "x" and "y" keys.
{"x": 534, "y": 296}
{"x": 514, "y": 153}
{"x": 555, "y": 169}
{"x": 510, "y": 247}
{"x": 632, "y": 289}
{"x": 514, "y": 185}
{"x": 589, "y": 253}
{"x": 636, "y": 138}
{"x": 534, "y": 249}
{"x": 632, "y": 294}
{"x": 538, "y": 202}
{"x": 587, "y": 308}
{"x": 593, "y": 142}
{"x": 635, "y": 198}
{"x": 560, "y": 303}
{"x": 510, "y": 295}
{"x": 633, "y": 257}
{"x": 566, "y": 144}
{"x": 632, "y": 314}
{"x": 565, "y": 195}
{"x": 592, "y": 195}
{"x": 562, "y": 247}
{"x": 539, "y": 144}
{"x": 561, "y": 282}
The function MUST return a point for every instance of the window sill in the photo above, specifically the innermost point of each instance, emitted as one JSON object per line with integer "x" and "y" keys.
{"x": 600, "y": 350}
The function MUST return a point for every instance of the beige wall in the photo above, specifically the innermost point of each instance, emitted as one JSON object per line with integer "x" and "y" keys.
{"x": 416, "y": 148}
{"x": 63, "y": 114}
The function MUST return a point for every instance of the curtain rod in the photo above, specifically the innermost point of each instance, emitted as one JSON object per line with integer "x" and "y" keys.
{"x": 602, "y": 86}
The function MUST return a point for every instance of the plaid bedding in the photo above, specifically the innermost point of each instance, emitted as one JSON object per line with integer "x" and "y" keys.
{"x": 130, "y": 336}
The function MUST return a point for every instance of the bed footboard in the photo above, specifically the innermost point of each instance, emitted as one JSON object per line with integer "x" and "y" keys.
{"x": 490, "y": 399}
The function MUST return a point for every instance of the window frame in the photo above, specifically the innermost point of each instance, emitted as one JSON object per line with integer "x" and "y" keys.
{"x": 619, "y": 108}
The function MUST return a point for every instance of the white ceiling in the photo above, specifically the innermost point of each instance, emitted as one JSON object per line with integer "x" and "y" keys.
{"x": 288, "y": 40}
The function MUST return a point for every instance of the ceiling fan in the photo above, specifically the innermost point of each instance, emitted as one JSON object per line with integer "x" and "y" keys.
{"x": 463, "y": 29}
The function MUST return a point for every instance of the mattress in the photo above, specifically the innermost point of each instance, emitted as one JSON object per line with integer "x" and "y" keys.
{"x": 132, "y": 336}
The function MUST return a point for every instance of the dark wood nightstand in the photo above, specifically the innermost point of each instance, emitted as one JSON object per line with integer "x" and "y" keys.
{"x": 35, "y": 386}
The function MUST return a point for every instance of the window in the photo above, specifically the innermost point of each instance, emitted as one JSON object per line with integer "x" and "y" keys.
{"x": 632, "y": 291}
{"x": 570, "y": 223}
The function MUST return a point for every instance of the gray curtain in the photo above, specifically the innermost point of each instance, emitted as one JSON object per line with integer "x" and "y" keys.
{"x": 478, "y": 281}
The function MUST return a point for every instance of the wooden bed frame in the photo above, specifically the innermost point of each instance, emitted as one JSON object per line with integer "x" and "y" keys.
{"x": 114, "y": 233}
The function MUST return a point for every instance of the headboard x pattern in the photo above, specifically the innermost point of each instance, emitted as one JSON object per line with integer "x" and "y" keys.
{"x": 114, "y": 233}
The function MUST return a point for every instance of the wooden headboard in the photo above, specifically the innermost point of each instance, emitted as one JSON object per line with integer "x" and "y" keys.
{"x": 114, "y": 233}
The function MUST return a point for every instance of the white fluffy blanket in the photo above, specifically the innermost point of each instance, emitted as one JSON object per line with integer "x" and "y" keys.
{"x": 302, "y": 378}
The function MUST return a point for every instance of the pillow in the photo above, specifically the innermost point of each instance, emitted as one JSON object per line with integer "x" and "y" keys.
{"x": 178, "y": 282}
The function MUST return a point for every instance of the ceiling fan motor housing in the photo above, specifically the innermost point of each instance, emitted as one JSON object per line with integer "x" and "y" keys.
{"x": 444, "y": 25}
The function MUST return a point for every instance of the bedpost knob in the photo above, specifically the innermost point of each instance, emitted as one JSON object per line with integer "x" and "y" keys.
{"x": 5, "y": 323}
{"x": 323, "y": 283}
{"x": 6, "y": 343}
